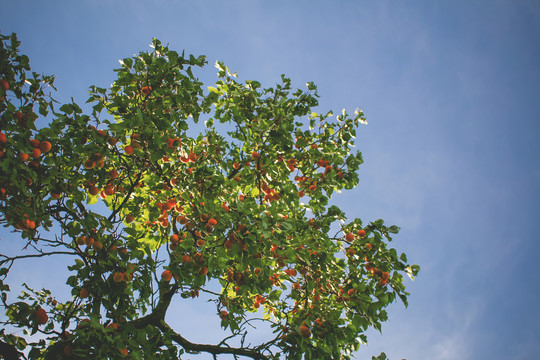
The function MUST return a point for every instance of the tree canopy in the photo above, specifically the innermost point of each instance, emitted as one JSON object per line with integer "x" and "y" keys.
{"x": 164, "y": 190}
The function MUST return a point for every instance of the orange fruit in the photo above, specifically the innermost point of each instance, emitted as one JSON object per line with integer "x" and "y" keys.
{"x": 118, "y": 276}
{"x": 109, "y": 189}
{"x": 112, "y": 326}
{"x": 236, "y": 166}
{"x": 97, "y": 245}
{"x": 34, "y": 143}
{"x": 93, "y": 190}
{"x": 89, "y": 164}
{"x": 304, "y": 331}
{"x": 349, "y": 237}
{"x": 84, "y": 293}
{"x": 192, "y": 157}
{"x": 361, "y": 233}
{"x": 228, "y": 244}
{"x": 212, "y": 222}
{"x": 166, "y": 275}
{"x": 41, "y": 316}
{"x": 4, "y": 84}
{"x": 128, "y": 150}
{"x": 89, "y": 241}
{"x": 255, "y": 155}
{"x": 23, "y": 157}
{"x": 36, "y": 153}
{"x": 203, "y": 271}
{"x": 146, "y": 90}
{"x": 129, "y": 218}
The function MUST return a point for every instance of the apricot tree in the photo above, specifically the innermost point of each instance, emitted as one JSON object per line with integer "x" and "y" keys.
{"x": 167, "y": 190}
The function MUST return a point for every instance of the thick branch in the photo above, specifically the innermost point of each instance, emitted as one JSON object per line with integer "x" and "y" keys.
{"x": 212, "y": 349}
{"x": 157, "y": 318}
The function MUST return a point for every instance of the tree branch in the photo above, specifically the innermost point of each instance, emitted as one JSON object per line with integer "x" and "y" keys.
{"x": 212, "y": 349}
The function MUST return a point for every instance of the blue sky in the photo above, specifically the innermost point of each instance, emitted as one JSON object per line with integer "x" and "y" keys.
{"x": 451, "y": 91}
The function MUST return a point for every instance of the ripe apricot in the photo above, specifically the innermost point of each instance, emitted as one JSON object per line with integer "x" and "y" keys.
{"x": 255, "y": 155}
{"x": 128, "y": 150}
{"x": 192, "y": 157}
{"x": 304, "y": 331}
{"x": 349, "y": 237}
{"x": 186, "y": 258}
{"x": 45, "y": 146}
{"x": 89, "y": 241}
{"x": 124, "y": 351}
{"x": 146, "y": 90}
{"x": 109, "y": 190}
{"x": 41, "y": 316}
{"x": 81, "y": 240}
{"x": 228, "y": 244}
{"x": 174, "y": 239}
{"x": 118, "y": 276}
{"x": 112, "y": 326}
{"x": 112, "y": 140}
{"x": 212, "y": 222}
{"x": 129, "y": 218}
{"x": 97, "y": 245}
{"x": 361, "y": 233}
{"x": 84, "y": 293}
{"x": 93, "y": 190}
{"x": 23, "y": 157}
{"x": 292, "y": 272}
{"x": 36, "y": 153}
{"x": 4, "y": 84}
{"x": 89, "y": 164}
{"x": 34, "y": 143}
{"x": 3, "y": 138}
{"x": 29, "y": 224}
{"x": 203, "y": 271}
{"x": 236, "y": 166}
{"x": 166, "y": 275}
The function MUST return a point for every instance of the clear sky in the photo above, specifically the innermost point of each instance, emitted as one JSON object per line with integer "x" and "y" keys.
{"x": 451, "y": 91}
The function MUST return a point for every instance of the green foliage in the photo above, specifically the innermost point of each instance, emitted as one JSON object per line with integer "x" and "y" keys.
{"x": 134, "y": 192}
